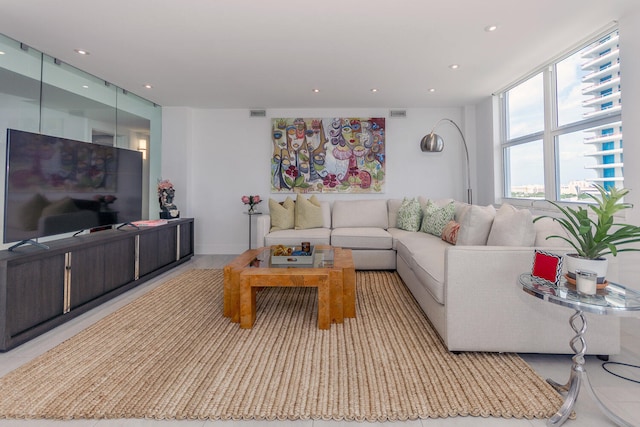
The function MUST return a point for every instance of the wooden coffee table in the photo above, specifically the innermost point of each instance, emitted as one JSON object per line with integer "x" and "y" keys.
{"x": 332, "y": 272}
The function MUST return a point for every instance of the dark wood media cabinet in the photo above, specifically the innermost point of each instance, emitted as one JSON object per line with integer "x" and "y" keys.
{"x": 43, "y": 288}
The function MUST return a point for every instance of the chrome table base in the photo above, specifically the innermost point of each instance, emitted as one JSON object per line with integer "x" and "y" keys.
{"x": 577, "y": 376}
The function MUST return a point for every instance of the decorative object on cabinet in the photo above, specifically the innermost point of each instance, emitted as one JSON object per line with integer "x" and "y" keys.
{"x": 166, "y": 193}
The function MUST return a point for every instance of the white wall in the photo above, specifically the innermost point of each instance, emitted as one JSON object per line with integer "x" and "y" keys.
{"x": 215, "y": 156}
{"x": 486, "y": 152}
{"x": 176, "y": 149}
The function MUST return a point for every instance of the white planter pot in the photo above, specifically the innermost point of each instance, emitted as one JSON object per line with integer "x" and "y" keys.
{"x": 573, "y": 263}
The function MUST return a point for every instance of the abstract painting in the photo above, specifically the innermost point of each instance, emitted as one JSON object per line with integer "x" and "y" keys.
{"x": 328, "y": 155}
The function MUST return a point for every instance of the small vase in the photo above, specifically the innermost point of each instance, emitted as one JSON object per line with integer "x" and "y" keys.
{"x": 251, "y": 210}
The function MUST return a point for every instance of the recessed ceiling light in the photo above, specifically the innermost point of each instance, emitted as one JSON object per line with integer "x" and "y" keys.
{"x": 431, "y": 90}
{"x": 85, "y": 87}
{"x": 490, "y": 28}
{"x": 374, "y": 90}
{"x": 148, "y": 86}
{"x": 316, "y": 90}
{"x": 1, "y": 52}
{"x": 454, "y": 66}
{"x": 81, "y": 51}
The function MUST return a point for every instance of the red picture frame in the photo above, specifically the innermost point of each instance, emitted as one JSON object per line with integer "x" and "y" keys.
{"x": 547, "y": 266}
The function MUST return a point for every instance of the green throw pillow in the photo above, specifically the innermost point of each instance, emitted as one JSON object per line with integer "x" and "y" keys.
{"x": 308, "y": 213}
{"x": 435, "y": 218}
{"x": 410, "y": 215}
{"x": 282, "y": 215}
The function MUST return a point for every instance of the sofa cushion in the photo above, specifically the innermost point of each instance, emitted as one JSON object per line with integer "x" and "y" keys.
{"x": 360, "y": 213}
{"x": 434, "y": 217}
{"x": 398, "y": 234}
{"x": 475, "y": 225}
{"x": 409, "y": 215}
{"x": 308, "y": 213}
{"x": 393, "y": 206}
{"x": 512, "y": 227}
{"x": 282, "y": 215}
{"x": 461, "y": 208}
{"x": 315, "y": 236}
{"x": 424, "y": 253}
{"x": 361, "y": 238}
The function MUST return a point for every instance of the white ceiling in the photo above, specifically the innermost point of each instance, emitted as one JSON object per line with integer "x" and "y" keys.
{"x": 272, "y": 53}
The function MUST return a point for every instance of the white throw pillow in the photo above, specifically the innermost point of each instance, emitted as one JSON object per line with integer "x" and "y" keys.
{"x": 512, "y": 227}
{"x": 475, "y": 225}
{"x": 545, "y": 227}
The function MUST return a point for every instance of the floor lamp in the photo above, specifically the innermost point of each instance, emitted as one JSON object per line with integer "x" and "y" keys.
{"x": 433, "y": 143}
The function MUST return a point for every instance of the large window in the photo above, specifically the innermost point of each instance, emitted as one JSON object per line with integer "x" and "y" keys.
{"x": 562, "y": 128}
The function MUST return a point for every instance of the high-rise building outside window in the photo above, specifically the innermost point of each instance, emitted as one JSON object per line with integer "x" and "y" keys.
{"x": 562, "y": 126}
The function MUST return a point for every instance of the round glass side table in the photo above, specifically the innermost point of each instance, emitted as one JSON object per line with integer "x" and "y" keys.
{"x": 614, "y": 299}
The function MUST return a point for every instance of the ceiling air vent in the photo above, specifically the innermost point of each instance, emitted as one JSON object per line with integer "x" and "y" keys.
{"x": 398, "y": 113}
{"x": 258, "y": 113}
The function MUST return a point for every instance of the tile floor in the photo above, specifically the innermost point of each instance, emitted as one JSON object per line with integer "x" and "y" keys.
{"x": 622, "y": 396}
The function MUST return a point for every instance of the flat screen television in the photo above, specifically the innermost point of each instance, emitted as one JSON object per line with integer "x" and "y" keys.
{"x": 56, "y": 185}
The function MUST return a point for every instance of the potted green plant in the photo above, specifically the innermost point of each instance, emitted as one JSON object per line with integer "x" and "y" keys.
{"x": 596, "y": 236}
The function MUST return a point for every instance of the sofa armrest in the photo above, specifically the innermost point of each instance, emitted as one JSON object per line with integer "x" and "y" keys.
{"x": 263, "y": 225}
{"x": 485, "y": 305}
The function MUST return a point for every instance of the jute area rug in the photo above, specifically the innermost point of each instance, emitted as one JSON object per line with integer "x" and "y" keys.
{"x": 172, "y": 355}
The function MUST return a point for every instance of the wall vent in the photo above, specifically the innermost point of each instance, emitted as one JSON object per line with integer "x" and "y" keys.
{"x": 258, "y": 113}
{"x": 398, "y": 113}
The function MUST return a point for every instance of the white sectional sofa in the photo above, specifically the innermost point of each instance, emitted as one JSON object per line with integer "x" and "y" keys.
{"x": 468, "y": 291}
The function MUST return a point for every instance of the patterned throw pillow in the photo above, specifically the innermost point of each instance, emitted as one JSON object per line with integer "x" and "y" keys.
{"x": 435, "y": 218}
{"x": 450, "y": 232}
{"x": 410, "y": 215}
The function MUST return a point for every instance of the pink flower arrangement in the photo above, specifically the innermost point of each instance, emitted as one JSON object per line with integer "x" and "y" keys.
{"x": 251, "y": 201}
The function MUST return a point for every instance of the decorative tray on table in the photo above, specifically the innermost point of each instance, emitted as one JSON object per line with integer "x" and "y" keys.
{"x": 291, "y": 255}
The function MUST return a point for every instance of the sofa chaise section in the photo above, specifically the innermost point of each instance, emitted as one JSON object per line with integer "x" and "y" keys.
{"x": 483, "y": 308}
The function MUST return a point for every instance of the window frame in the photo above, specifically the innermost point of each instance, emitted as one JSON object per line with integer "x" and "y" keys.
{"x": 551, "y": 132}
